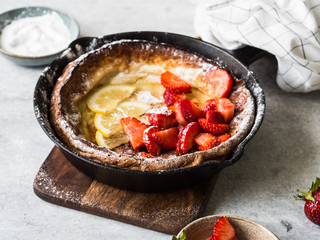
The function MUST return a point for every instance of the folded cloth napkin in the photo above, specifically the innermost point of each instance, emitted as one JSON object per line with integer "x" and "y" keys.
{"x": 288, "y": 29}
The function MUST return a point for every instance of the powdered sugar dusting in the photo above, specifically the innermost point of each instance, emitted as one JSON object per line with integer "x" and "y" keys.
{"x": 146, "y": 97}
{"x": 160, "y": 110}
{"x": 53, "y": 188}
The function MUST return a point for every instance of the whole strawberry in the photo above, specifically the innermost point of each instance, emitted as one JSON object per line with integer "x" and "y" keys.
{"x": 312, "y": 201}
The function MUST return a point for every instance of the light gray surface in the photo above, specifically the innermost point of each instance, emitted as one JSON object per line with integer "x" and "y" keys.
{"x": 283, "y": 156}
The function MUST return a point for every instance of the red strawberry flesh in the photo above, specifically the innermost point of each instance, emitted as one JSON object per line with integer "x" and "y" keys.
{"x": 179, "y": 116}
{"x": 167, "y": 139}
{"x": 226, "y": 108}
{"x": 221, "y": 82}
{"x": 152, "y": 147}
{"x": 206, "y": 141}
{"x": 170, "y": 98}
{"x": 174, "y": 84}
{"x": 214, "y": 128}
{"x": 187, "y": 111}
{"x": 214, "y": 116}
{"x": 162, "y": 119}
{"x": 209, "y": 105}
{"x": 223, "y": 230}
{"x": 134, "y": 130}
{"x": 190, "y": 110}
{"x": 186, "y": 137}
{"x": 224, "y": 137}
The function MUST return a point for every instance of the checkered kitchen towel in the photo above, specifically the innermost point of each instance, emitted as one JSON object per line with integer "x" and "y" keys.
{"x": 289, "y": 29}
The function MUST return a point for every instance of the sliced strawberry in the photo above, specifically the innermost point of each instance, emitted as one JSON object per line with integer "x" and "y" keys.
{"x": 221, "y": 82}
{"x": 187, "y": 111}
{"x": 214, "y": 116}
{"x": 170, "y": 98}
{"x": 214, "y": 128}
{"x": 152, "y": 147}
{"x": 190, "y": 110}
{"x": 174, "y": 84}
{"x": 224, "y": 137}
{"x": 209, "y": 105}
{"x": 134, "y": 130}
{"x": 167, "y": 139}
{"x": 223, "y": 230}
{"x": 206, "y": 141}
{"x": 186, "y": 137}
{"x": 146, "y": 155}
{"x": 166, "y": 119}
{"x": 226, "y": 108}
{"x": 179, "y": 116}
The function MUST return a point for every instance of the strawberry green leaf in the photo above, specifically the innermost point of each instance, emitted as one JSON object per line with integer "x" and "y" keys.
{"x": 309, "y": 195}
{"x": 182, "y": 237}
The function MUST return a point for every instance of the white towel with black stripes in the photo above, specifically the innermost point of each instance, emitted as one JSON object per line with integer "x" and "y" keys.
{"x": 288, "y": 29}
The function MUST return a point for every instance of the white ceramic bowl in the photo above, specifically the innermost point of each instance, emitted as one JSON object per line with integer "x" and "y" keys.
{"x": 202, "y": 228}
{"x": 19, "y": 13}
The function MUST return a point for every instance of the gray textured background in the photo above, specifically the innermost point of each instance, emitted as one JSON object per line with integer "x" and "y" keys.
{"x": 283, "y": 156}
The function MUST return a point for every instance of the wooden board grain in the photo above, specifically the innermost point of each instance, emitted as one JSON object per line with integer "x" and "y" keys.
{"x": 59, "y": 182}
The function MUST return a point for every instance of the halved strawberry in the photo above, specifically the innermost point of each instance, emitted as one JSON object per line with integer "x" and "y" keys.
{"x": 166, "y": 119}
{"x": 146, "y": 155}
{"x": 186, "y": 137}
{"x": 206, "y": 141}
{"x": 134, "y": 130}
{"x": 187, "y": 111}
{"x": 167, "y": 139}
{"x": 170, "y": 98}
{"x": 214, "y": 116}
{"x": 179, "y": 116}
{"x": 223, "y": 230}
{"x": 209, "y": 105}
{"x": 226, "y": 108}
{"x": 224, "y": 137}
{"x": 221, "y": 82}
{"x": 174, "y": 84}
{"x": 152, "y": 147}
{"x": 214, "y": 128}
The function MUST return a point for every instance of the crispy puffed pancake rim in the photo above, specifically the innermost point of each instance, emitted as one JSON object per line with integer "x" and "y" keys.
{"x": 136, "y": 65}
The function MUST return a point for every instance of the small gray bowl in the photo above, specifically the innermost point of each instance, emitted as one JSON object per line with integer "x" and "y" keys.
{"x": 202, "y": 229}
{"x": 19, "y": 13}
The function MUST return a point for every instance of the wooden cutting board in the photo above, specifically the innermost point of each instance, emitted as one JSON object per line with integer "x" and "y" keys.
{"x": 59, "y": 182}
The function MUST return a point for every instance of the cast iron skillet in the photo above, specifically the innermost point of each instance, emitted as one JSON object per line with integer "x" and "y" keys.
{"x": 148, "y": 181}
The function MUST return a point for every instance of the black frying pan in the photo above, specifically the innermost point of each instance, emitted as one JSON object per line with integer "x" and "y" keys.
{"x": 150, "y": 181}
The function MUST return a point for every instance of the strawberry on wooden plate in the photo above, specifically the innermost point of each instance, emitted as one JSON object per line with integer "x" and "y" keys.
{"x": 214, "y": 128}
{"x": 206, "y": 141}
{"x": 134, "y": 130}
{"x": 170, "y": 98}
{"x": 167, "y": 139}
{"x": 226, "y": 108}
{"x": 221, "y": 82}
{"x": 165, "y": 119}
{"x": 152, "y": 147}
{"x": 174, "y": 84}
{"x": 186, "y": 137}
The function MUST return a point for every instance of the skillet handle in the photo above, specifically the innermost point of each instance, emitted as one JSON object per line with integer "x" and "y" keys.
{"x": 248, "y": 54}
